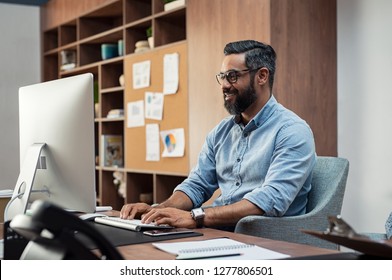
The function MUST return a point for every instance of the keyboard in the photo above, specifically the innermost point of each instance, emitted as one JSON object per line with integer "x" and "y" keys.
{"x": 134, "y": 225}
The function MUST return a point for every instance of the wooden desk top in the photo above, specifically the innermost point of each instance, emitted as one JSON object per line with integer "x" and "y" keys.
{"x": 147, "y": 251}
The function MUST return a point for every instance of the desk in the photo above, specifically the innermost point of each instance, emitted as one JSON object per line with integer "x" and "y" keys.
{"x": 147, "y": 251}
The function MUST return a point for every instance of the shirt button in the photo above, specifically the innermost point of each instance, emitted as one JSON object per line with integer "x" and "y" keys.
{"x": 237, "y": 184}
{"x": 245, "y": 134}
{"x": 238, "y": 159}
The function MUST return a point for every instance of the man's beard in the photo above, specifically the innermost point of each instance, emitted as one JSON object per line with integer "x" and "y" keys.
{"x": 242, "y": 100}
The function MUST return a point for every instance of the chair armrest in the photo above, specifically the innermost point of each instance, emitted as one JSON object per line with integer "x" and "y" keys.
{"x": 285, "y": 228}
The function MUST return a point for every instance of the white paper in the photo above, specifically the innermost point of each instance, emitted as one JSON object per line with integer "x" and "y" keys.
{"x": 170, "y": 73}
{"x": 152, "y": 142}
{"x": 141, "y": 74}
{"x": 210, "y": 247}
{"x": 173, "y": 142}
{"x": 154, "y": 105}
{"x": 135, "y": 113}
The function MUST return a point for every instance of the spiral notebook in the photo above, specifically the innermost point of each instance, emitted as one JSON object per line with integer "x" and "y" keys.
{"x": 219, "y": 248}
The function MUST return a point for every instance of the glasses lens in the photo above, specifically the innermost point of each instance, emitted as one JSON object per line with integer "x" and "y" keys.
{"x": 219, "y": 78}
{"x": 231, "y": 76}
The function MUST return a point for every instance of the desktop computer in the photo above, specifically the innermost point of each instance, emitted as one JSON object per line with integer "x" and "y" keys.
{"x": 57, "y": 154}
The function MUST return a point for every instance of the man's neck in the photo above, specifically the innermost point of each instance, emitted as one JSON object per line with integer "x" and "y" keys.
{"x": 253, "y": 109}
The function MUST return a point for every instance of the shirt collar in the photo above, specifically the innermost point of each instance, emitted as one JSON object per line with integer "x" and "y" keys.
{"x": 262, "y": 115}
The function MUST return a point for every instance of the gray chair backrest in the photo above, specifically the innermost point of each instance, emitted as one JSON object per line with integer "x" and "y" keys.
{"x": 324, "y": 199}
{"x": 328, "y": 185}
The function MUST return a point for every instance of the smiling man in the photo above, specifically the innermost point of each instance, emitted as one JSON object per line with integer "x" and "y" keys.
{"x": 261, "y": 158}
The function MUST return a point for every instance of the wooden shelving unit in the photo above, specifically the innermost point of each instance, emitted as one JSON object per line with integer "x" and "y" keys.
{"x": 125, "y": 20}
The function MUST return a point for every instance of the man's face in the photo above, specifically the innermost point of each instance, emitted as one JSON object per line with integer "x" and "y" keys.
{"x": 238, "y": 95}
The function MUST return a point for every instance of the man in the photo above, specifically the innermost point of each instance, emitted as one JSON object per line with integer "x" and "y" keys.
{"x": 261, "y": 158}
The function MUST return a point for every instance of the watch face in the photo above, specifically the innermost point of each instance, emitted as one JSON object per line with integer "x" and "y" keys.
{"x": 198, "y": 213}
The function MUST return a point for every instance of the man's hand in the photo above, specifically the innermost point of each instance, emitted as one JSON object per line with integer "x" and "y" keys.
{"x": 171, "y": 216}
{"x": 134, "y": 210}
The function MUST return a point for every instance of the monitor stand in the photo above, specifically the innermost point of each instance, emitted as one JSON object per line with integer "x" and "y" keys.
{"x": 24, "y": 185}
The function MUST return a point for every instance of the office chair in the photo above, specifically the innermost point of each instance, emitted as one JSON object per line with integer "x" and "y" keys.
{"x": 324, "y": 199}
{"x": 379, "y": 235}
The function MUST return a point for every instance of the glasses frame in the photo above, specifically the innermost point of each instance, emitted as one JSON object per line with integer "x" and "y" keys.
{"x": 220, "y": 77}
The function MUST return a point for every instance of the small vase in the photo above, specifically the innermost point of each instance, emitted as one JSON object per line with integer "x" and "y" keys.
{"x": 151, "y": 42}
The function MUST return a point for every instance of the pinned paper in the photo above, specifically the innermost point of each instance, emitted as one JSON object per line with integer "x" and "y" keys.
{"x": 141, "y": 74}
{"x": 152, "y": 142}
{"x": 154, "y": 105}
{"x": 170, "y": 73}
{"x": 135, "y": 113}
{"x": 174, "y": 142}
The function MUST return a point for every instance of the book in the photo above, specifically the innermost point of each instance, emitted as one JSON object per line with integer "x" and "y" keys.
{"x": 219, "y": 248}
{"x": 112, "y": 150}
{"x": 134, "y": 225}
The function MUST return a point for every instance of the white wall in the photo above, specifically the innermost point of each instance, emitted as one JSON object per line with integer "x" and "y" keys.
{"x": 365, "y": 110}
{"x": 20, "y": 65}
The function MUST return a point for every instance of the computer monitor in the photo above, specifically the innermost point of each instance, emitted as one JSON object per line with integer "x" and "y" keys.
{"x": 57, "y": 154}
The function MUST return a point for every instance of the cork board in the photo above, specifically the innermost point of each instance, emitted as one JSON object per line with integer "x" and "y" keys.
{"x": 175, "y": 111}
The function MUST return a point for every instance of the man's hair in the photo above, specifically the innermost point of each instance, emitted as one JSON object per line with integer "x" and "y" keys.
{"x": 257, "y": 55}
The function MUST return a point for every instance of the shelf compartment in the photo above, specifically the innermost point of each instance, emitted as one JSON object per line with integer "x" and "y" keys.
{"x": 110, "y": 101}
{"x": 135, "y": 33}
{"x": 164, "y": 186}
{"x": 137, "y": 9}
{"x": 51, "y": 39}
{"x": 112, "y": 127}
{"x": 68, "y": 33}
{"x": 51, "y": 68}
{"x": 138, "y": 183}
{"x": 111, "y": 73}
{"x": 109, "y": 191}
{"x": 68, "y": 58}
{"x": 101, "y": 20}
{"x": 170, "y": 27}
{"x": 89, "y": 53}
{"x": 90, "y": 50}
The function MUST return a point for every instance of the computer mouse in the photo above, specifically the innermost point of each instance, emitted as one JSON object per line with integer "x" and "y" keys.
{"x": 91, "y": 216}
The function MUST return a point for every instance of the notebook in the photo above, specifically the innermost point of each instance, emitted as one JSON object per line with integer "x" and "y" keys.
{"x": 135, "y": 224}
{"x": 219, "y": 248}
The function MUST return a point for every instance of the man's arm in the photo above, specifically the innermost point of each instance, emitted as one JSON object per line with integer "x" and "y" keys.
{"x": 230, "y": 214}
{"x": 177, "y": 200}
{"x": 215, "y": 216}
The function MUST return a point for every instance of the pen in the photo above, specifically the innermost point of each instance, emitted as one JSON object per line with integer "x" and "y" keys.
{"x": 196, "y": 256}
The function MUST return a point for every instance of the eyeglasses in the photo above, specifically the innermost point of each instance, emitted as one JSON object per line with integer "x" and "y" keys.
{"x": 231, "y": 76}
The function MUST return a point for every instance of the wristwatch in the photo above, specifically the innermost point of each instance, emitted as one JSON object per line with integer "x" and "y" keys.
{"x": 198, "y": 215}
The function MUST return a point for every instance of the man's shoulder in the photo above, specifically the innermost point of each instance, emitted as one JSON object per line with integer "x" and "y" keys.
{"x": 289, "y": 117}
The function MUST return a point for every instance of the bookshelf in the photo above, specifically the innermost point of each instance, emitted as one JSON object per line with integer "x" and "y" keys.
{"x": 108, "y": 23}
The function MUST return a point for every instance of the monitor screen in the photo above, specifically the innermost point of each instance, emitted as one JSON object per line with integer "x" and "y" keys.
{"x": 57, "y": 154}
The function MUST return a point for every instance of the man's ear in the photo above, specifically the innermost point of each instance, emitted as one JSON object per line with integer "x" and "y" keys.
{"x": 262, "y": 76}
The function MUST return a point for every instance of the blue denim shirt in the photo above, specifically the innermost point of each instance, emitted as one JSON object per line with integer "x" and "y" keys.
{"x": 269, "y": 162}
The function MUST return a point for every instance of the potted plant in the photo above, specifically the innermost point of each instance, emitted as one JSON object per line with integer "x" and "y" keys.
{"x": 150, "y": 38}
